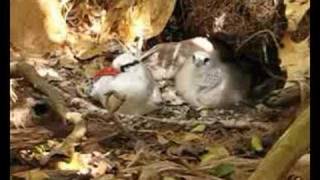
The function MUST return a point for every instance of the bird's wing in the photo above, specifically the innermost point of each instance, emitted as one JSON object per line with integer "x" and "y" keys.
{"x": 101, "y": 86}
{"x": 210, "y": 79}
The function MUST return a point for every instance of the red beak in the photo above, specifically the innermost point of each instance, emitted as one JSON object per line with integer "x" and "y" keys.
{"x": 107, "y": 71}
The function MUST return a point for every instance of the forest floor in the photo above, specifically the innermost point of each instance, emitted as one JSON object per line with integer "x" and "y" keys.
{"x": 175, "y": 142}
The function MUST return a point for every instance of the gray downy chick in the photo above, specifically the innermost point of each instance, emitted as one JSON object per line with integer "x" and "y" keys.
{"x": 206, "y": 81}
{"x": 164, "y": 60}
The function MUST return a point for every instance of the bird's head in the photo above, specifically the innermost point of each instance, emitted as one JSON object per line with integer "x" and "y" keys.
{"x": 201, "y": 59}
{"x": 125, "y": 62}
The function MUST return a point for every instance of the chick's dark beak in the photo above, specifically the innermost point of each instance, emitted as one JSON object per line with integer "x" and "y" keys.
{"x": 197, "y": 63}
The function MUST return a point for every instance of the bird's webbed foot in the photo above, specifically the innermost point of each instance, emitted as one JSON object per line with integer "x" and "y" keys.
{"x": 119, "y": 100}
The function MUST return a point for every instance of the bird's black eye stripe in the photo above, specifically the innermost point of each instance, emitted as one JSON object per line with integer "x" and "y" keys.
{"x": 123, "y": 67}
{"x": 206, "y": 60}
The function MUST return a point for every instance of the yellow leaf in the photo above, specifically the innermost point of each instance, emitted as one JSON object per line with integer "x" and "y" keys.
{"x": 181, "y": 138}
{"x": 187, "y": 137}
{"x": 295, "y": 57}
{"x": 256, "y": 143}
{"x": 146, "y": 18}
{"x": 37, "y": 175}
{"x": 168, "y": 178}
{"x": 76, "y": 163}
{"x": 295, "y": 10}
{"x": 199, "y": 128}
{"x": 214, "y": 153}
{"x": 37, "y": 26}
{"x": 33, "y": 174}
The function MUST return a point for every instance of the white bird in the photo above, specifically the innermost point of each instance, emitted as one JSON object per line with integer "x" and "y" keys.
{"x": 164, "y": 60}
{"x": 130, "y": 79}
{"x": 206, "y": 81}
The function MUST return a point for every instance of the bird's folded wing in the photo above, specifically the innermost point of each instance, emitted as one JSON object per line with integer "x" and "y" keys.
{"x": 210, "y": 80}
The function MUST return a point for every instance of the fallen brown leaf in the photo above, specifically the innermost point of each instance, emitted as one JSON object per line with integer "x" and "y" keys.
{"x": 295, "y": 57}
{"x": 295, "y": 10}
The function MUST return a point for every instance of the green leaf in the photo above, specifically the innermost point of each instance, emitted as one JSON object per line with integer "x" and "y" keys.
{"x": 168, "y": 178}
{"x": 223, "y": 170}
{"x": 256, "y": 143}
{"x": 214, "y": 153}
{"x": 199, "y": 128}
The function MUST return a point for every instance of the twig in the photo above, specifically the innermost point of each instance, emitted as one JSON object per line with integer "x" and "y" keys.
{"x": 231, "y": 159}
{"x": 289, "y": 95}
{"x": 266, "y": 59}
{"x": 287, "y": 150}
{"x": 267, "y": 31}
{"x": 57, "y": 102}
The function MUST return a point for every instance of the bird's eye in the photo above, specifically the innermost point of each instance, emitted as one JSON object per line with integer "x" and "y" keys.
{"x": 136, "y": 39}
{"x": 206, "y": 60}
{"x": 123, "y": 68}
{"x": 193, "y": 58}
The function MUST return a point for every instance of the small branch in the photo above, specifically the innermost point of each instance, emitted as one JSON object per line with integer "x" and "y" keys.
{"x": 287, "y": 150}
{"x": 266, "y": 31}
{"x": 56, "y": 101}
{"x": 287, "y": 96}
{"x": 26, "y": 71}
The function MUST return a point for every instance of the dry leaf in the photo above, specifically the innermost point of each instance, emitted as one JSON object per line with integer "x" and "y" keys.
{"x": 199, "y": 128}
{"x": 214, "y": 153}
{"x": 295, "y": 57}
{"x": 33, "y": 174}
{"x": 295, "y": 10}
{"x": 76, "y": 163}
{"x": 91, "y": 69}
{"x": 162, "y": 140}
{"x": 93, "y": 164}
{"x": 149, "y": 173}
{"x": 182, "y": 138}
{"x": 37, "y": 174}
{"x": 168, "y": 178}
{"x": 256, "y": 143}
{"x": 301, "y": 168}
{"x": 36, "y": 26}
{"x": 128, "y": 20}
{"x": 153, "y": 170}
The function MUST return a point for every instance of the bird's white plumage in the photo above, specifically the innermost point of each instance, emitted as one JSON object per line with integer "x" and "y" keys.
{"x": 205, "y": 81}
{"x": 123, "y": 59}
{"x": 200, "y": 82}
{"x": 203, "y": 43}
{"x": 136, "y": 84}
